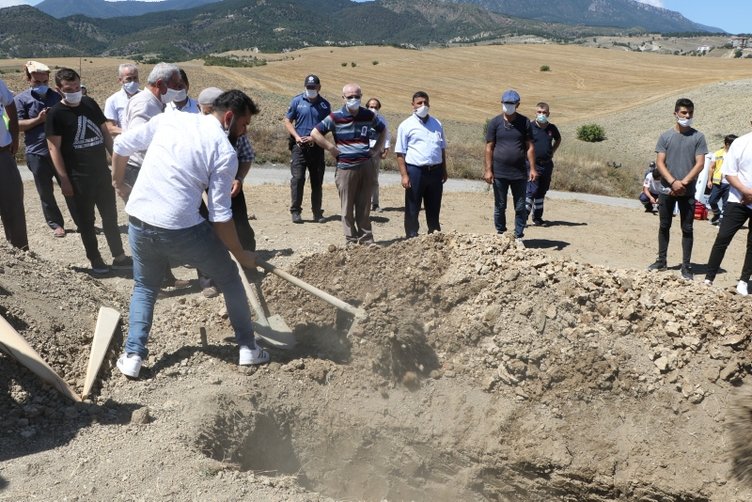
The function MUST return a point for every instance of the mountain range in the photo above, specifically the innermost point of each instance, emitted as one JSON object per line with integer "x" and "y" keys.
{"x": 206, "y": 26}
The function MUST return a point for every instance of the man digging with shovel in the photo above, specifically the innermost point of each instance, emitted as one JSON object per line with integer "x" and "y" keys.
{"x": 187, "y": 154}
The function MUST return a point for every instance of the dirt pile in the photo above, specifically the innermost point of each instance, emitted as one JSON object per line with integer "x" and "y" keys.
{"x": 483, "y": 371}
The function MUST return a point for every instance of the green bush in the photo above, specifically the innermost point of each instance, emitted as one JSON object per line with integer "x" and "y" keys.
{"x": 591, "y": 133}
{"x": 353, "y": 64}
{"x": 545, "y": 67}
{"x": 343, "y": 64}
{"x": 374, "y": 63}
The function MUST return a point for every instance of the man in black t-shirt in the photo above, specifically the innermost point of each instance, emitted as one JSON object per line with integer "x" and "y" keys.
{"x": 546, "y": 139}
{"x": 78, "y": 140}
{"x": 509, "y": 145}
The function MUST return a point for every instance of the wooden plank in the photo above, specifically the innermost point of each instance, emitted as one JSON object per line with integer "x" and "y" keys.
{"x": 107, "y": 322}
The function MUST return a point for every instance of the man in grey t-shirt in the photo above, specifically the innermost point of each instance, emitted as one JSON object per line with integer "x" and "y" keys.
{"x": 680, "y": 158}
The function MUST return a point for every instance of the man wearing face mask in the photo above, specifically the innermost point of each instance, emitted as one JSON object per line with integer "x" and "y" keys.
{"x": 546, "y": 140}
{"x": 421, "y": 157}
{"x": 114, "y": 107}
{"x": 509, "y": 152}
{"x": 31, "y": 108}
{"x": 78, "y": 140}
{"x": 680, "y": 158}
{"x": 351, "y": 128}
{"x": 186, "y": 154}
{"x": 183, "y": 102}
{"x": 305, "y": 111}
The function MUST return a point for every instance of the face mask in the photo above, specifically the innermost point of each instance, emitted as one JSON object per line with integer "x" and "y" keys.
{"x": 131, "y": 87}
{"x": 422, "y": 111}
{"x": 508, "y": 109}
{"x": 181, "y": 95}
{"x": 73, "y": 98}
{"x": 353, "y": 104}
{"x": 311, "y": 93}
{"x": 684, "y": 122}
{"x": 40, "y": 89}
{"x": 170, "y": 95}
{"x": 374, "y": 110}
{"x": 542, "y": 119}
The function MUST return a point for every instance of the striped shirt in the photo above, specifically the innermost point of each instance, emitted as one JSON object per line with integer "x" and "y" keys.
{"x": 351, "y": 134}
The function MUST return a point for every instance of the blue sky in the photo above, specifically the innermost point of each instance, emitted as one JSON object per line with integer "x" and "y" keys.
{"x": 734, "y": 16}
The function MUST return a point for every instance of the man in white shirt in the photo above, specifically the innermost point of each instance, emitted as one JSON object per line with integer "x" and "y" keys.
{"x": 11, "y": 187}
{"x": 187, "y": 155}
{"x": 737, "y": 168}
{"x": 421, "y": 157}
{"x": 114, "y": 107}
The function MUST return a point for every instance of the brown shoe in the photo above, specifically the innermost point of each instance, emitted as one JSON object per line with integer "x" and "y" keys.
{"x": 58, "y": 232}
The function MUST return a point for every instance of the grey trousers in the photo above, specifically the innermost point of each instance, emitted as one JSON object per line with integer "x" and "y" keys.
{"x": 11, "y": 202}
{"x": 355, "y": 186}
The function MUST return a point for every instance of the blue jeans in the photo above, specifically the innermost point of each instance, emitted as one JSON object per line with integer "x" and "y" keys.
{"x": 198, "y": 246}
{"x": 501, "y": 188}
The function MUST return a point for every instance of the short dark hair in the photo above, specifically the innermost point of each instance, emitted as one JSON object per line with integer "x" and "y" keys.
{"x": 236, "y": 101}
{"x": 728, "y": 139}
{"x": 420, "y": 94}
{"x": 184, "y": 77}
{"x": 65, "y": 75}
{"x": 684, "y": 103}
{"x": 656, "y": 174}
{"x": 378, "y": 106}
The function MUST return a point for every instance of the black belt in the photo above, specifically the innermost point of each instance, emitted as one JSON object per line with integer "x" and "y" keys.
{"x": 430, "y": 167}
{"x": 132, "y": 220}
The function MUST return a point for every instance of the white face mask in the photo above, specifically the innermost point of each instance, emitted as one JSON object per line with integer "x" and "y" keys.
{"x": 422, "y": 111}
{"x": 131, "y": 87}
{"x": 684, "y": 122}
{"x": 170, "y": 95}
{"x": 374, "y": 110}
{"x": 73, "y": 98}
{"x": 542, "y": 118}
{"x": 182, "y": 95}
{"x": 311, "y": 93}
{"x": 508, "y": 108}
{"x": 353, "y": 104}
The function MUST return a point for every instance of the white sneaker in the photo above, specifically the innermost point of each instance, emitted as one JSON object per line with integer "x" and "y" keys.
{"x": 130, "y": 365}
{"x": 708, "y": 282}
{"x": 741, "y": 288}
{"x": 249, "y": 356}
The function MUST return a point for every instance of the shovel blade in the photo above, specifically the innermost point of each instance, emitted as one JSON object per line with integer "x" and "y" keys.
{"x": 277, "y": 333}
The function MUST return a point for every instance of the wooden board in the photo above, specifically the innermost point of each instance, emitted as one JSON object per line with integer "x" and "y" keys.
{"x": 15, "y": 345}
{"x": 107, "y": 321}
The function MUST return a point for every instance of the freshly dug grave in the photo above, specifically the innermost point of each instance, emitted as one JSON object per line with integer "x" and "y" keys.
{"x": 484, "y": 371}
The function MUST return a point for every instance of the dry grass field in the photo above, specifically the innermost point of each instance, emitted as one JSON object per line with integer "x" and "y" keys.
{"x": 630, "y": 94}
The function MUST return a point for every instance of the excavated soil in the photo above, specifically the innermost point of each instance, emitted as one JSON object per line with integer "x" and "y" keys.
{"x": 483, "y": 370}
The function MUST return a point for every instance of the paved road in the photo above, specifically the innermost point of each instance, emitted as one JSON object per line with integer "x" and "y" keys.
{"x": 278, "y": 174}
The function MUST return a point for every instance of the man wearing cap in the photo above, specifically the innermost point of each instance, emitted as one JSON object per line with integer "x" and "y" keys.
{"x": 509, "y": 152}
{"x": 305, "y": 112}
{"x": 32, "y": 105}
{"x": 246, "y": 156}
{"x": 421, "y": 157}
{"x": 114, "y": 107}
{"x": 351, "y": 127}
{"x": 11, "y": 188}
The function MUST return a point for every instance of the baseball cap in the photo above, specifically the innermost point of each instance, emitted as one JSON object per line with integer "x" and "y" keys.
{"x": 36, "y": 66}
{"x": 208, "y": 95}
{"x": 312, "y": 80}
{"x": 510, "y": 96}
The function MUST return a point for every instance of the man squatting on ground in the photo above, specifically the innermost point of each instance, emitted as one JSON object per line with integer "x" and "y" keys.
{"x": 306, "y": 110}
{"x": 680, "y": 156}
{"x": 421, "y": 156}
{"x": 351, "y": 126}
{"x": 187, "y": 154}
{"x": 546, "y": 140}
{"x": 32, "y": 105}
{"x": 737, "y": 168}
{"x": 78, "y": 140}
{"x": 11, "y": 187}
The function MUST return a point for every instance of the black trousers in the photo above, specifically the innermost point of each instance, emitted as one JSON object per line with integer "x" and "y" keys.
{"x": 687, "y": 217}
{"x": 90, "y": 192}
{"x": 312, "y": 159}
{"x": 735, "y": 215}
{"x": 11, "y": 202}
{"x": 44, "y": 172}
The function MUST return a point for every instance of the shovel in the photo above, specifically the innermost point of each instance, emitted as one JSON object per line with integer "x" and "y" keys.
{"x": 272, "y": 329}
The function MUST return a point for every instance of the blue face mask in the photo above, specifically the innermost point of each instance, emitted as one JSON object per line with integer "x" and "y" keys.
{"x": 40, "y": 89}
